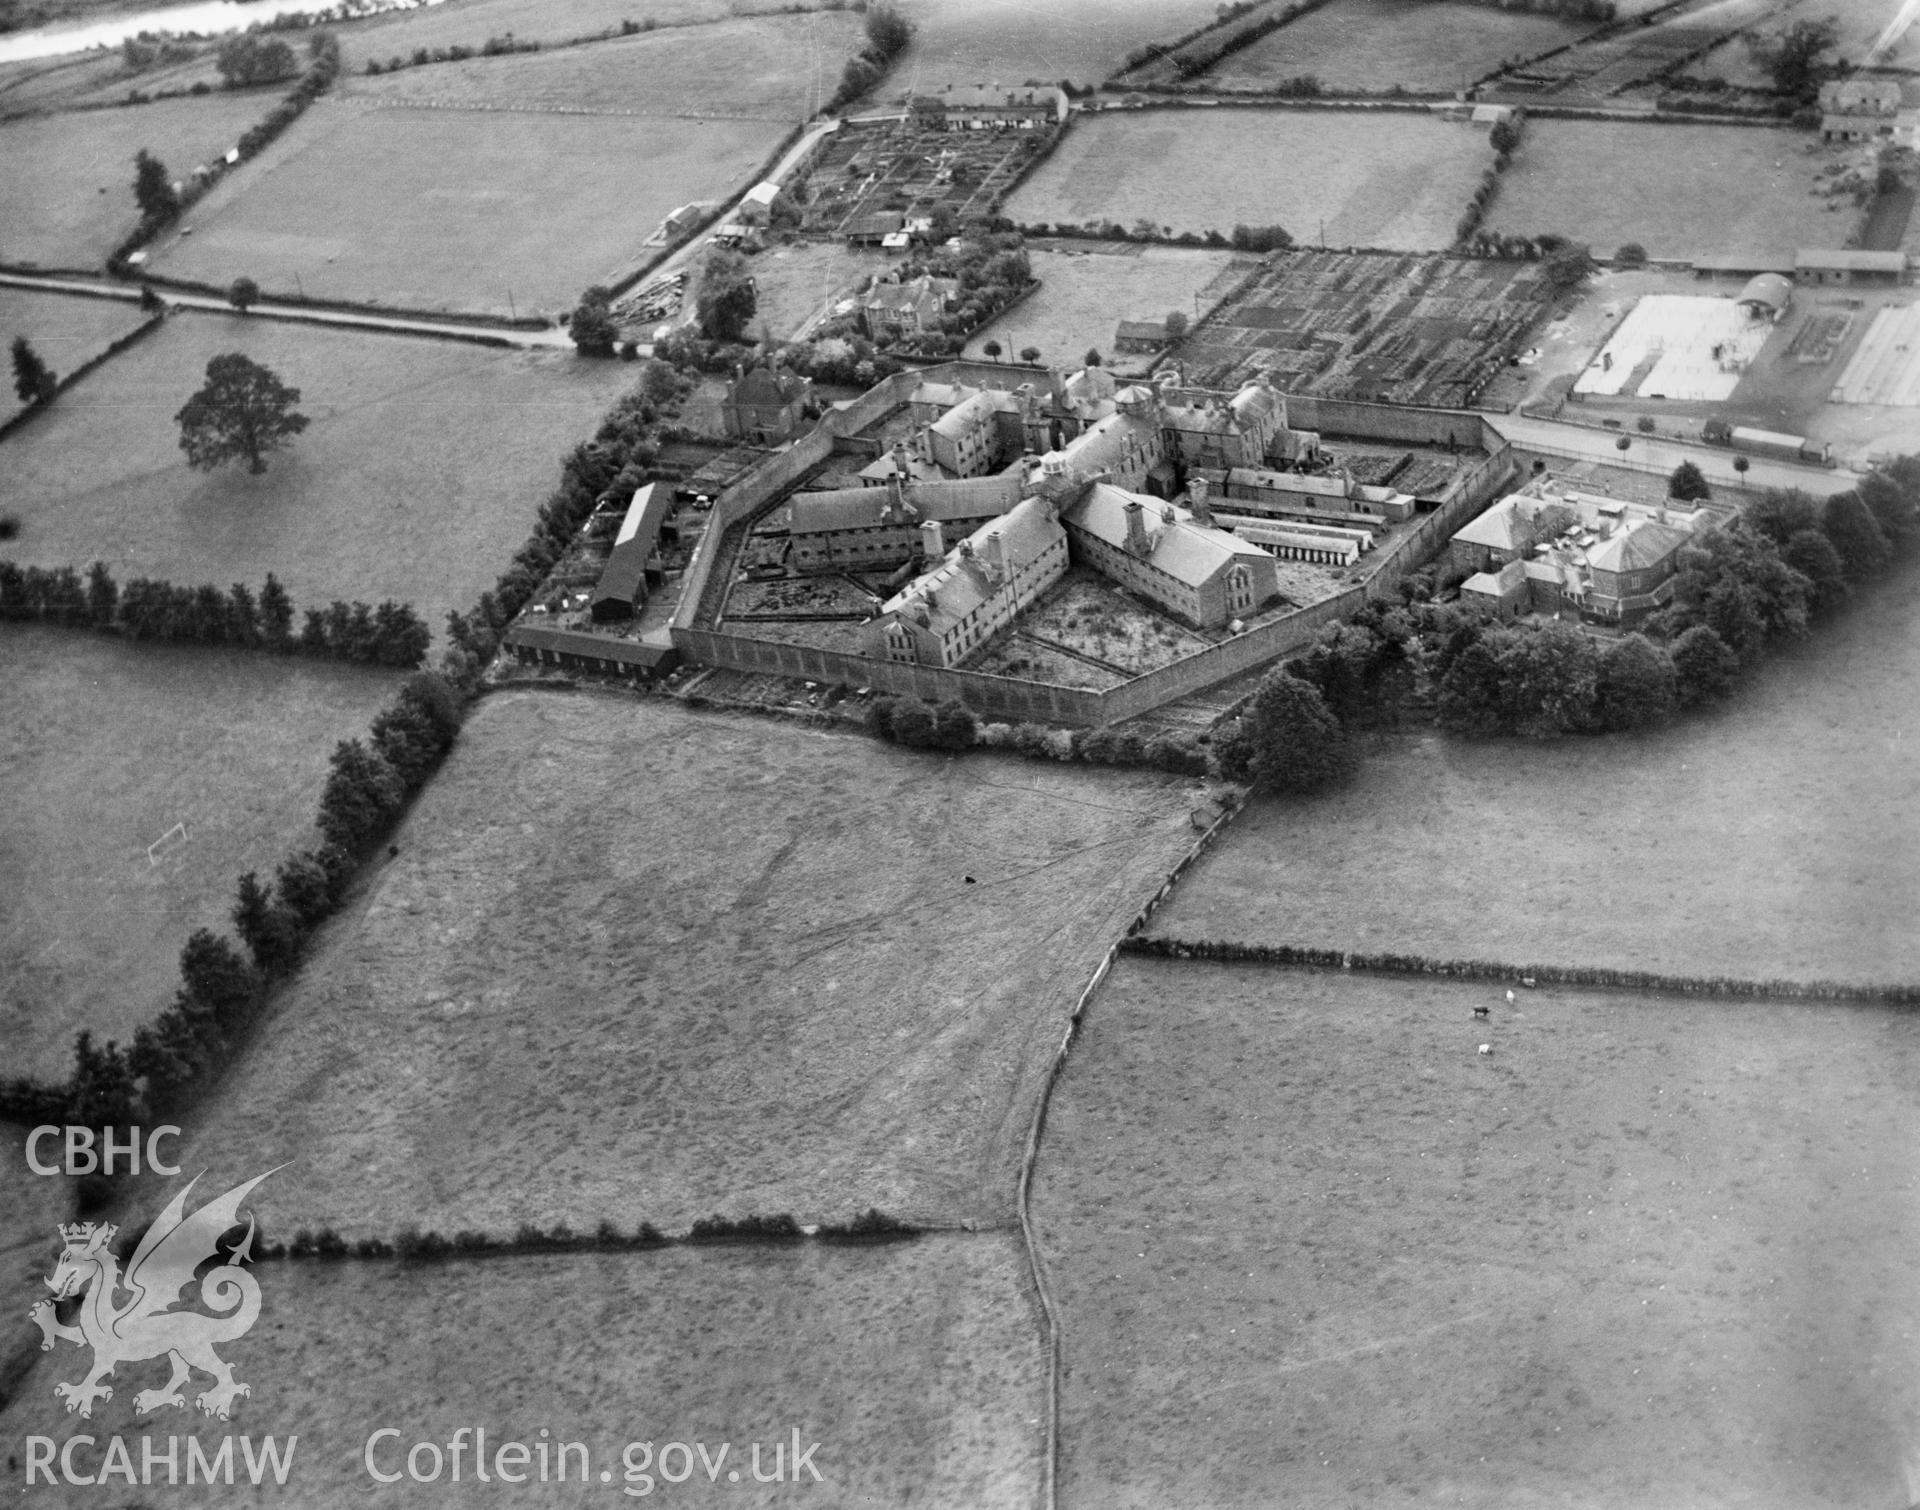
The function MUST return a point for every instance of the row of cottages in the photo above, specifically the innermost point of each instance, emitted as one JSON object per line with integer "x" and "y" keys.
{"x": 1547, "y": 549}
{"x": 984, "y": 107}
{"x": 765, "y": 405}
{"x": 1858, "y": 109}
{"x": 943, "y": 616}
{"x": 891, "y": 310}
{"x": 876, "y": 529}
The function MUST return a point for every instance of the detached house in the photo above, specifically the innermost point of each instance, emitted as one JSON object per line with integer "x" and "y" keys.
{"x": 765, "y": 406}
{"x": 891, "y": 309}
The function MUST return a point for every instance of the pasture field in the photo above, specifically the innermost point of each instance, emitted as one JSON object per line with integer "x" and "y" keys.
{"x": 916, "y": 1366}
{"x": 1375, "y": 44}
{"x": 67, "y": 332}
{"x": 1759, "y": 840}
{"x": 760, "y": 68}
{"x": 1310, "y": 1247}
{"x": 95, "y": 78}
{"x": 106, "y": 747}
{"x": 419, "y": 476}
{"x": 469, "y": 23}
{"x": 35, "y": 1206}
{"x": 1388, "y": 179}
{"x": 540, "y": 1012}
{"x": 66, "y": 181}
{"x": 1088, "y": 288}
{"x": 487, "y": 212}
{"x": 1011, "y": 41}
{"x": 1680, "y": 191}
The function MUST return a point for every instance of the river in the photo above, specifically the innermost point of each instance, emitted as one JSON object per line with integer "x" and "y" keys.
{"x": 208, "y": 17}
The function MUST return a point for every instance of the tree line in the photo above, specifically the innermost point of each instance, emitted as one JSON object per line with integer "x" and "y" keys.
{"x": 223, "y": 986}
{"x": 390, "y": 634}
{"x": 1161, "y": 947}
{"x": 888, "y": 35}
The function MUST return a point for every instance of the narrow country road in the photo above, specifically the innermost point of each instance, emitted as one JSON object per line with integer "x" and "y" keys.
{"x": 266, "y": 309}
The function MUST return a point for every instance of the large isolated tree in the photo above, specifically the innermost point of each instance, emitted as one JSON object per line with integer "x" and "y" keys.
{"x": 243, "y": 411}
{"x": 153, "y": 188}
{"x": 1688, "y": 483}
{"x": 33, "y": 380}
{"x": 1288, "y": 740}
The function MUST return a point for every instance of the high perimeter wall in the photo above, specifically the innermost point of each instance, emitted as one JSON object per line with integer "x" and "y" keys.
{"x": 1043, "y": 702}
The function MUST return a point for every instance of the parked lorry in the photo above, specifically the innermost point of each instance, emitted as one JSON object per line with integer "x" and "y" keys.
{"x": 1771, "y": 443}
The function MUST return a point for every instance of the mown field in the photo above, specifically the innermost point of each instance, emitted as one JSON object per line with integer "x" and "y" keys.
{"x": 66, "y": 332}
{"x": 777, "y": 68}
{"x": 541, "y": 1011}
{"x": 1310, "y": 1247}
{"x": 66, "y": 181}
{"x": 1380, "y": 179}
{"x": 419, "y": 476}
{"x": 1087, "y": 289}
{"x": 105, "y": 747}
{"x": 490, "y": 212}
{"x": 1680, "y": 191}
{"x": 1375, "y": 44}
{"x": 1011, "y": 41}
{"x": 915, "y": 1366}
{"x": 1765, "y": 839}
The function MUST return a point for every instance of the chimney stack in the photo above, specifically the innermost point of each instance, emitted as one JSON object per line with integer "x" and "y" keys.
{"x": 1198, "y": 489}
{"x": 997, "y": 557}
{"x": 933, "y": 540}
{"x": 1137, "y": 543}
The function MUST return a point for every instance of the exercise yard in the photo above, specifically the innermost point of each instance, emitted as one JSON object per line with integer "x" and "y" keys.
{"x": 1310, "y": 1247}
{"x": 1677, "y": 346}
{"x": 1886, "y": 367}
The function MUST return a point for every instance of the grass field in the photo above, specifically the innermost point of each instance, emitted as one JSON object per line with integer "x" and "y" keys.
{"x": 66, "y": 181}
{"x": 1376, "y": 44}
{"x": 1755, "y": 841}
{"x": 1086, "y": 290}
{"x": 66, "y": 332}
{"x": 916, "y": 1367}
{"x": 1011, "y": 41}
{"x": 780, "y": 68}
{"x": 469, "y": 23}
{"x": 795, "y": 282}
{"x": 1382, "y": 179}
{"x": 1310, "y": 1248}
{"x": 1680, "y": 191}
{"x": 106, "y": 747}
{"x": 540, "y": 1011}
{"x": 493, "y": 212}
{"x": 420, "y": 474}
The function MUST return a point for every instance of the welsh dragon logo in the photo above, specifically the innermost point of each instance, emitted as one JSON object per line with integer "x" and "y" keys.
{"x": 146, "y": 1326}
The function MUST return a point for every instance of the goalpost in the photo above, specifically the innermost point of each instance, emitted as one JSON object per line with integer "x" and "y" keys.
{"x": 173, "y": 837}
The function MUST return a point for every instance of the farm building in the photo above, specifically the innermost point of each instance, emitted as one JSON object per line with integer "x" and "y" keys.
{"x": 873, "y": 227}
{"x": 982, "y": 107}
{"x": 765, "y": 405}
{"x": 892, "y": 309}
{"x": 757, "y": 204}
{"x": 1850, "y": 266}
{"x": 1766, "y": 296}
{"x": 1197, "y": 573}
{"x": 942, "y": 617}
{"x": 880, "y": 528}
{"x": 621, "y": 589}
{"x": 1140, "y": 337}
{"x": 1858, "y": 109}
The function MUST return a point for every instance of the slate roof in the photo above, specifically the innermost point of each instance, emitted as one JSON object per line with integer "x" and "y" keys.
{"x": 1189, "y": 552}
{"x": 959, "y": 584}
{"x": 1637, "y": 547}
{"x": 947, "y": 500}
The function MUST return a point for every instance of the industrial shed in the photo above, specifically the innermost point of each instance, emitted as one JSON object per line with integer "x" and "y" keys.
{"x": 1767, "y": 296}
{"x": 622, "y": 585}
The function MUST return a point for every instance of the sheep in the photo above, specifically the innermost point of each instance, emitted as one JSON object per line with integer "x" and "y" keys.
{"x": 1509, "y": 997}
{"x": 1486, "y": 1048}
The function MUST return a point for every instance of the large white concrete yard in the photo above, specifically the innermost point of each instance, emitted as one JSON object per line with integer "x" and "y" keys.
{"x": 1677, "y": 346}
{"x": 1886, "y": 368}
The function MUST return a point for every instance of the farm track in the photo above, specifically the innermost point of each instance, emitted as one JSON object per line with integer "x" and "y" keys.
{"x": 431, "y": 102}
